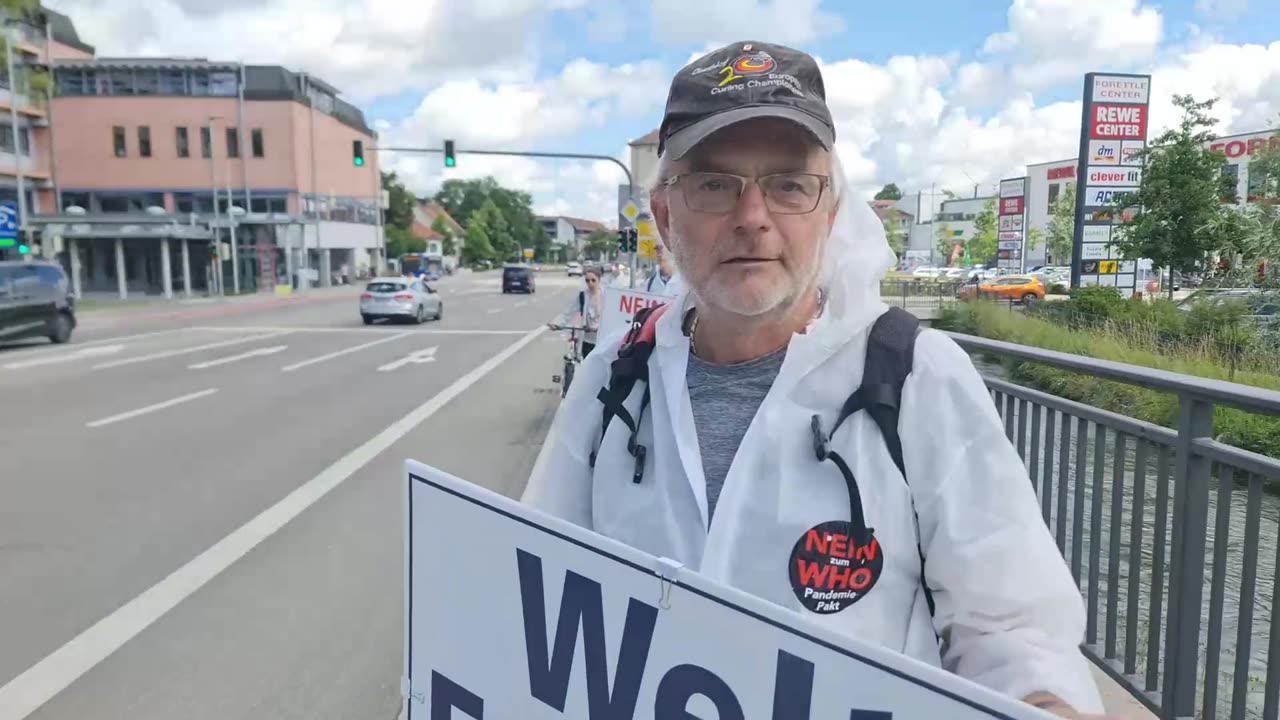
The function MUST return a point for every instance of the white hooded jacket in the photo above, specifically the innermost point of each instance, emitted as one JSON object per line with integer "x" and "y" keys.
{"x": 1008, "y": 613}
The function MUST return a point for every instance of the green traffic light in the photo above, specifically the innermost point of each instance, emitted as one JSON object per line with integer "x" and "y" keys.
{"x": 24, "y": 249}
{"x": 359, "y": 162}
{"x": 450, "y": 162}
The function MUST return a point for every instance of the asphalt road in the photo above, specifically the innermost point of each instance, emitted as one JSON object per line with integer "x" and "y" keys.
{"x": 201, "y": 506}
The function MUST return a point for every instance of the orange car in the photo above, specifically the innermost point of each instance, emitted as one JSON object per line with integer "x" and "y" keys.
{"x": 1013, "y": 287}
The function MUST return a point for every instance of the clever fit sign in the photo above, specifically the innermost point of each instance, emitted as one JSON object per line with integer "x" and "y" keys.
{"x": 1113, "y": 134}
{"x": 1012, "y": 220}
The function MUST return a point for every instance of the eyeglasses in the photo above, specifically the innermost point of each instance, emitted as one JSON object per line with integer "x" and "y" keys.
{"x": 592, "y": 281}
{"x": 793, "y": 193}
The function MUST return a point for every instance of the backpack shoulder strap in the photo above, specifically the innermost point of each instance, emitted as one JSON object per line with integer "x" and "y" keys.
{"x": 630, "y": 367}
{"x": 582, "y": 300}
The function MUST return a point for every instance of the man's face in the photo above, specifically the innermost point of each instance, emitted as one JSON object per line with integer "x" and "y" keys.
{"x": 664, "y": 260}
{"x": 748, "y": 261}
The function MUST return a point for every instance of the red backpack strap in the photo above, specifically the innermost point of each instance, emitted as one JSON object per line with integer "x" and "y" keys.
{"x": 644, "y": 326}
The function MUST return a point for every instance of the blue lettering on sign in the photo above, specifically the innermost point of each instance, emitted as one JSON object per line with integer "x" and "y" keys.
{"x": 8, "y": 221}
{"x": 446, "y": 695}
{"x": 582, "y": 605}
{"x": 581, "y": 602}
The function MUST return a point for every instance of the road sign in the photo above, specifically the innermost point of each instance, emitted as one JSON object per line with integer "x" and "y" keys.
{"x": 8, "y": 224}
{"x": 631, "y": 211}
{"x": 499, "y": 594}
{"x": 647, "y": 239}
{"x": 528, "y": 253}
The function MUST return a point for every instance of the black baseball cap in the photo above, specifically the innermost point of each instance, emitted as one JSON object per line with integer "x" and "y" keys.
{"x": 739, "y": 82}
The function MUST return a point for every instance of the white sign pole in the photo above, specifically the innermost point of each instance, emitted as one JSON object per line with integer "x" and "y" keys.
{"x": 513, "y": 614}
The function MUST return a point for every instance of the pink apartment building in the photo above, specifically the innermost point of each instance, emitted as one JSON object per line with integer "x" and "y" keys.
{"x": 152, "y": 158}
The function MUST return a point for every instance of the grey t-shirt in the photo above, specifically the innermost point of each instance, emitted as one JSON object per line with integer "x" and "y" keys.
{"x": 724, "y": 399}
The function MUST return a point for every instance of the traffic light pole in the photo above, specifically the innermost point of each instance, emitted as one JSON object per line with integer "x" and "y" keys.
{"x": 631, "y": 184}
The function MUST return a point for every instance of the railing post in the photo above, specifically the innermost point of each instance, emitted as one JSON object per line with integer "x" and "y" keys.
{"x": 1186, "y": 580}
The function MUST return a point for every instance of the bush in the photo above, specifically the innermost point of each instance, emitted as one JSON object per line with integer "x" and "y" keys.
{"x": 1058, "y": 289}
{"x": 1257, "y": 433}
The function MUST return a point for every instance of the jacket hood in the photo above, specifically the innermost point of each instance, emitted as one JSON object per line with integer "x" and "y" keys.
{"x": 856, "y": 256}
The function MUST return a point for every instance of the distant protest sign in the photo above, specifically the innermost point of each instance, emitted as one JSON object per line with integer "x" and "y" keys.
{"x": 621, "y": 305}
{"x": 513, "y": 614}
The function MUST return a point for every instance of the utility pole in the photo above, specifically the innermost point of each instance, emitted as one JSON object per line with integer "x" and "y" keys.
{"x": 24, "y": 219}
{"x": 213, "y": 186}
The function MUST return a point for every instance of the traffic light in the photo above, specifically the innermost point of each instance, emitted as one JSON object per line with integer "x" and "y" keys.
{"x": 449, "y": 159}
{"x": 357, "y": 153}
{"x": 627, "y": 240}
{"x": 24, "y": 249}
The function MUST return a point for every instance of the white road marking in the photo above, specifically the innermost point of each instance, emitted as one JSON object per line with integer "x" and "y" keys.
{"x": 148, "y": 409}
{"x": 43, "y": 681}
{"x": 522, "y": 303}
{"x": 493, "y": 310}
{"x": 340, "y": 353}
{"x": 65, "y": 357}
{"x": 417, "y": 357}
{"x": 244, "y": 355}
{"x": 186, "y": 351}
{"x": 364, "y": 330}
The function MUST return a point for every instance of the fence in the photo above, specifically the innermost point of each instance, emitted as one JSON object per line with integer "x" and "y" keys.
{"x": 1149, "y": 518}
{"x": 919, "y": 296}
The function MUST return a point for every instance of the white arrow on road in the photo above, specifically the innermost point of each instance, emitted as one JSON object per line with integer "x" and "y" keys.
{"x": 420, "y": 357}
{"x": 66, "y": 357}
{"x": 232, "y": 358}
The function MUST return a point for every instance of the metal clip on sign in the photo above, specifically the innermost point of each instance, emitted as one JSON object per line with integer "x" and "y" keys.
{"x": 668, "y": 572}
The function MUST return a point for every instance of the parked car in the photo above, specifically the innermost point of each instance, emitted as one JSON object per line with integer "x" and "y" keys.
{"x": 35, "y": 302}
{"x": 1026, "y": 288}
{"x": 574, "y": 269}
{"x": 398, "y": 298}
{"x": 517, "y": 278}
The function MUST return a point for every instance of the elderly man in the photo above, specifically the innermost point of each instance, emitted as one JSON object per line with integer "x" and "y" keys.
{"x": 779, "y": 358}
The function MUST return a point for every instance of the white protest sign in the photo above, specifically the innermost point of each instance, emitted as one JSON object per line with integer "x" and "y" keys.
{"x": 621, "y": 304}
{"x": 513, "y": 614}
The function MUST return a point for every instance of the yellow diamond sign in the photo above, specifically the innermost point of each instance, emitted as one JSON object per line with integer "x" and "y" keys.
{"x": 631, "y": 211}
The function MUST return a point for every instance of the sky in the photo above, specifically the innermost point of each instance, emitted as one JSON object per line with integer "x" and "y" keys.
{"x": 928, "y": 94}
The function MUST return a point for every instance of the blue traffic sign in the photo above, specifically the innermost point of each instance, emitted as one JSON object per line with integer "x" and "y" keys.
{"x": 8, "y": 221}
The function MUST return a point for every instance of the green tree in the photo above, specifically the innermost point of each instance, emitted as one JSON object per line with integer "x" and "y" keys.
{"x": 401, "y": 241}
{"x": 600, "y": 244}
{"x": 983, "y": 246}
{"x": 497, "y": 229}
{"x": 1062, "y": 226}
{"x": 450, "y": 244}
{"x": 892, "y": 232}
{"x": 401, "y": 203}
{"x": 1180, "y": 219}
{"x": 477, "y": 247}
{"x": 464, "y": 198}
{"x": 1035, "y": 237}
{"x": 946, "y": 244}
{"x": 1259, "y": 237}
{"x": 889, "y": 192}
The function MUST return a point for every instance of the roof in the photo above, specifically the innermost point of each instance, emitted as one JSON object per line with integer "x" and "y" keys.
{"x": 429, "y": 210}
{"x": 64, "y": 31}
{"x": 584, "y": 225}
{"x": 649, "y": 138}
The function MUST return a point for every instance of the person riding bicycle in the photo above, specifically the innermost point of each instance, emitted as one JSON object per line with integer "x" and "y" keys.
{"x": 584, "y": 310}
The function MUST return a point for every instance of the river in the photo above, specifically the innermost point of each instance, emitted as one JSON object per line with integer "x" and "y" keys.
{"x": 1229, "y": 551}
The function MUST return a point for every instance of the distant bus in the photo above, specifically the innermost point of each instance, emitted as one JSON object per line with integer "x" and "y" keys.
{"x": 417, "y": 264}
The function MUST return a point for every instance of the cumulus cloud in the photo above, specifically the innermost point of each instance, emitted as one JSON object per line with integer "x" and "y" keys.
{"x": 792, "y": 22}
{"x": 365, "y": 47}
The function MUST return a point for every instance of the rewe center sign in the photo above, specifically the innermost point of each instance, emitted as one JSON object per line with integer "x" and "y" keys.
{"x": 515, "y": 615}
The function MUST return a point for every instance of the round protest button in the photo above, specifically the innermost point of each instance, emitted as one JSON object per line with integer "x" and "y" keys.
{"x": 830, "y": 569}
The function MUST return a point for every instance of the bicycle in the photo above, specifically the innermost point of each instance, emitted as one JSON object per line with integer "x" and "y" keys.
{"x": 572, "y": 356}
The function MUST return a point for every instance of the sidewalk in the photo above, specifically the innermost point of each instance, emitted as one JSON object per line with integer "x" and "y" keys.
{"x": 105, "y": 313}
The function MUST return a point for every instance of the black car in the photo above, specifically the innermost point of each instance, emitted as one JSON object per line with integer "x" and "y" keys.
{"x": 35, "y": 302}
{"x": 517, "y": 278}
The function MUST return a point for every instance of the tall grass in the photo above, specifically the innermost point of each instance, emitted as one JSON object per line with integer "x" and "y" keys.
{"x": 1135, "y": 344}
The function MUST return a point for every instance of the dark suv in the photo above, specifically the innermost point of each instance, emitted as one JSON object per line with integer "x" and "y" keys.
{"x": 517, "y": 278}
{"x": 35, "y": 302}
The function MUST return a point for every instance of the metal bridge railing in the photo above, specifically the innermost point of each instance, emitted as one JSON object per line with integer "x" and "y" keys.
{"x": 1170, "y": 535}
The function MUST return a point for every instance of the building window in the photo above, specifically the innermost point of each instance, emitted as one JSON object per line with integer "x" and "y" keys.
{"x": 1228, "y": 183}
{"x": 183, "y": 142}
{"x": 256, "y": 138}
{"x": 233, "y": 142}
{"x": 173, "y": 82}
{"x": 118, "y": 141}
{"x": 199, "y": 82}
{"x": 144, "y": 141}
{"x": 1054, "y": 189}
{"x": 72, "y": 83}
{"x": 146, "y": 82}
{"x": 206, "y": 142}
{"x": 76, "y": 199}
{"x": 223, "y": 83}
{"x": 6, "y": 139}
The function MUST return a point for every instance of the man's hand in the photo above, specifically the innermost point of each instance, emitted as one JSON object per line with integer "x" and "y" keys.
{"x": 1055, "y": 705}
